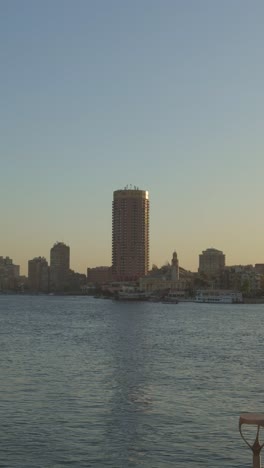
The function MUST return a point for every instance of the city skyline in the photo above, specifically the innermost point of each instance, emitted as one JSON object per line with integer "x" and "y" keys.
{"x": 24, "y": 266}
{"x": 164, "y": 95}
{"x": 208, "y": 251}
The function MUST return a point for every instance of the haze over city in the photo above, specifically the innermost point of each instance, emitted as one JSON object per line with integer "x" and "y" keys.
{"x": 167, "y": 96}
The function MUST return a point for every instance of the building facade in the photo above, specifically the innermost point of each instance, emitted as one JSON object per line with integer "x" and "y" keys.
{"x": 9, "y": 274}
{"x": 59, "y": 267}
{"x": 165, "y": 279}
{"x": 211, "y": 262}
{"x": 99, "y": 275}
{"x": 259, "y": 267}
{"x": 38, "y": 274}
{"x": 244, "y": 278}
{"x": 130, "y": 234}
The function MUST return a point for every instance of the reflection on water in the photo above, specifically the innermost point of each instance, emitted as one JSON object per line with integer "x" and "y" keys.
{"x": 98, "y": 383}
{"x": 131, "y": 380}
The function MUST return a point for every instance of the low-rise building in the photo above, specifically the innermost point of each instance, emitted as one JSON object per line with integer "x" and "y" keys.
{"x": 99, "y": 275}
{"x": 166, "y": 278}
{"x": 242, "y": 278}
{"x": 259, "y": 268}
{"x": 77, "y": 281}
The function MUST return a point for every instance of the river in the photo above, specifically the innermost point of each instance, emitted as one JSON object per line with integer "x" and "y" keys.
{"x": 89, "y": 382}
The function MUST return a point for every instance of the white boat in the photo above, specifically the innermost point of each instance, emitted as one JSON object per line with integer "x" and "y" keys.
{"x": 219, "y": 297}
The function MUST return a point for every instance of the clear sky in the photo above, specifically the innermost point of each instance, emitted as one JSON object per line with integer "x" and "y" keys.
{"x": 166, "y": 95}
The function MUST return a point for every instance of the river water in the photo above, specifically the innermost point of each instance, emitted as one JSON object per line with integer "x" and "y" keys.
{"x": 88, "y": 382}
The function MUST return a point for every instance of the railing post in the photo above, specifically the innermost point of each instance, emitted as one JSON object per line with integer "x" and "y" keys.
{"x": 258, "y": 421}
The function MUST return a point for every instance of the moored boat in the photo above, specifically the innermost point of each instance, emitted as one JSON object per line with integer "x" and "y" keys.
{"x": 219, "y": 297}
{"x": 132, "y": 294}
{"x": 170, "y": 298}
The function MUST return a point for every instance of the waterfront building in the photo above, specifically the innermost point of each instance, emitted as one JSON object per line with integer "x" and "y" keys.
{"x": 99, "y": 275}
{"x": 38, "y": 274}
{"x": 211, "y": 262}
{"x": 59, "y": 267}
{"x": 130, "y": 234}
{"x": 167, "y": 278}
{"x": 245, "y": 278}
{"x": 76, "y": 281}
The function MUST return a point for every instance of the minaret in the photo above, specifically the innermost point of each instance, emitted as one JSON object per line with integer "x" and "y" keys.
{"x": 174, "y": 267}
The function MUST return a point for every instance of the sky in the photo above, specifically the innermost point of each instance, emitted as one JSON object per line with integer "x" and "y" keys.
{"x": 166, "y": 95}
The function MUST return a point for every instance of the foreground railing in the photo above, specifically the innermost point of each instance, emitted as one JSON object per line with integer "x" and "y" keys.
{"x": 258, "y": 421}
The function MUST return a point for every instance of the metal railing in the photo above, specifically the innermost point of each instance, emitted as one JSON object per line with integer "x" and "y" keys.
{"x": 255, "y": 419}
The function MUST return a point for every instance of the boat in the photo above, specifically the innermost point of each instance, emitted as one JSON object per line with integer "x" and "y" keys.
{"x": 132, "y": 294}
{"x": 219, "y": 297}
{"x": 170, "y": 298}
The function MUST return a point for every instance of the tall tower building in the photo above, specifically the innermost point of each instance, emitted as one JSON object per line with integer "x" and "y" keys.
{"x": 175, "y": 267}
{"x": 130, "y": 234}
{"x": 59, "y": 267}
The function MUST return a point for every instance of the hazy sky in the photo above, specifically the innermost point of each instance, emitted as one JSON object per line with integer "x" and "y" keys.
{"x": 166, "y": 95}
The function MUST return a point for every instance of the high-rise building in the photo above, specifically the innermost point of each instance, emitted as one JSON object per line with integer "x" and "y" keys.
{"x": 130, "y": 234}
{"x": 59, "y": 267}
{"x": 211, "y": 262}
{"x": 9, "y": 274}
{"x": 38, "y": 274}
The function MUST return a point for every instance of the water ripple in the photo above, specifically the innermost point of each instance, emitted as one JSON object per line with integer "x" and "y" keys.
{"x": 93, "y": 383}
